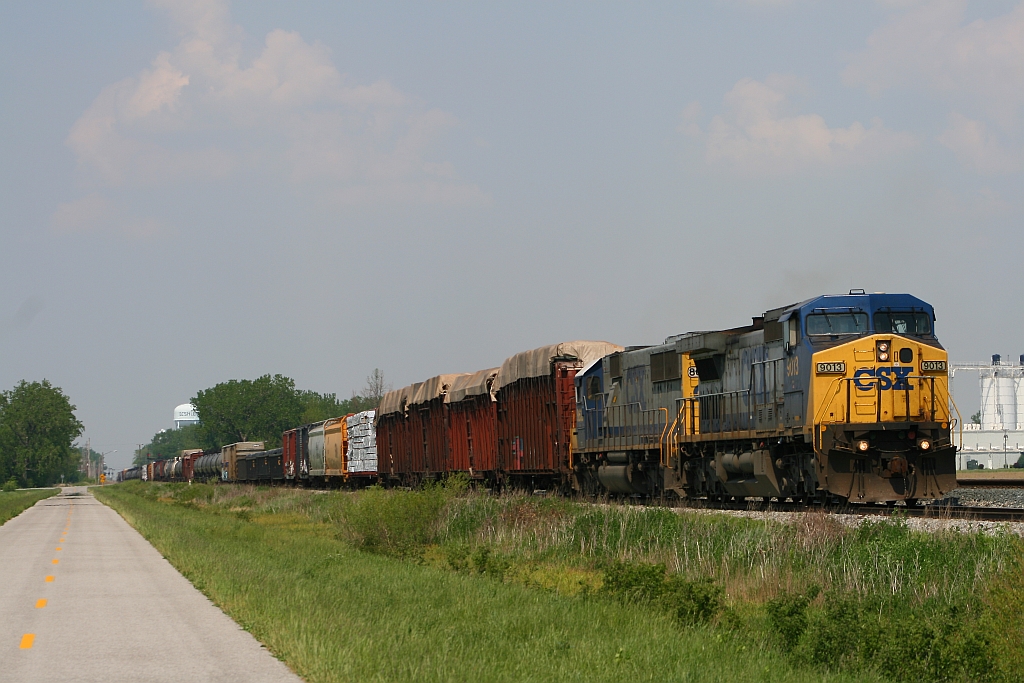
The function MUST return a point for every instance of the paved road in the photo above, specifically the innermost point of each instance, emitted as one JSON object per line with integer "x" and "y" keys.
{"x": 83, "y": 597}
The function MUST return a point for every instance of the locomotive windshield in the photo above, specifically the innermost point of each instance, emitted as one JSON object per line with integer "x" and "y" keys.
{"x": 826, "y": 323}
{"x": 895, "y": 322}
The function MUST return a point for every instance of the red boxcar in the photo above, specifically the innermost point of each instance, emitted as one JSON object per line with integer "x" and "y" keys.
{"x": 537, "y": 410}
{"x": 188, "y": 460}
{"x": 412, "y": 431}
{"x": 473, "y": 425}
{"x": 295, "y": 453}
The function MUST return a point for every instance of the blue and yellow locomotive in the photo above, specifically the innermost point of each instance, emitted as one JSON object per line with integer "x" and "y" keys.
{"x": 837, "y": 397}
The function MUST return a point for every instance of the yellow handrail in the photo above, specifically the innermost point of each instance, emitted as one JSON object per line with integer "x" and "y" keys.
{"x": 825, "y": 406}
{"x": 661, "y": 441}
{"x": 672, "y": 429}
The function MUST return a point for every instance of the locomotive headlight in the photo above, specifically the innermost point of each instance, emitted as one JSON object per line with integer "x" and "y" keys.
{"x": 924, "y": 444}
{"x": 863, "y": 445}
{"x": 882, "y": 351}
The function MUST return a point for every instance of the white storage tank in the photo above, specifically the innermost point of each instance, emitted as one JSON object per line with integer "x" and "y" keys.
{"x": 1018, "y": 384}
{"x": 1002, "y": 395}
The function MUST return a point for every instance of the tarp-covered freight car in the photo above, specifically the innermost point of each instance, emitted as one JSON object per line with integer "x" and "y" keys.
{"x": 412, "y": 433}
{"x": 473, "y": 424}
{"x": 537, "y": 409}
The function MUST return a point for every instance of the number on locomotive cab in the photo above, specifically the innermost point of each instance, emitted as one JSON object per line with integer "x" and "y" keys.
{"x": 837, "y": 367}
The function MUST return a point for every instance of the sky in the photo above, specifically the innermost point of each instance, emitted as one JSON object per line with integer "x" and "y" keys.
{"x": 193, "y": 192}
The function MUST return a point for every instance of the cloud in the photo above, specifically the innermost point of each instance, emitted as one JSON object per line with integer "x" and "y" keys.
{"x": 974, "y": 66}
{"x": 199, "y": 112}
{"x": 976, "y": 148}
{"x": 95, "y": 213}
{"x": 756, "y": 133}
{"x": 931, "y": 45}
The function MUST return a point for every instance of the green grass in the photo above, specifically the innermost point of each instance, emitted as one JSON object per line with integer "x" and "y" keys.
{"x": 12, "y": 503}
{"x": 285, "y": 564}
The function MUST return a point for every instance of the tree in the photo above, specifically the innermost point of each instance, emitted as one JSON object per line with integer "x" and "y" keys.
{"x": 318, "y": 407}
{"x": 375, "y": 389}
{"x": 244, "y": 410}
{"x": 976, "y": 418}
{"x": 168, "y": 443}
{"x": 37, "y": 428}
{"x": 259, "y": 410}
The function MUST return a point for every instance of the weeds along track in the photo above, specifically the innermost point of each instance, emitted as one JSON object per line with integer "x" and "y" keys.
{"x": 939, "y": 510}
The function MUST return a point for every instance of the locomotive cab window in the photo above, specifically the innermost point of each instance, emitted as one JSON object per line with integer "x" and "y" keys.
{"x": 593, "y": 387}
{"x": 791, "y": 330}
{"x": 917, "y": 324}
{"x": 826, "y": 324}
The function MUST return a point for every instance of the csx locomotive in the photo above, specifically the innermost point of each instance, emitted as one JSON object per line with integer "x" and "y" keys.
{"x": 841, "y": 397}
{"x": 835, "y": 398}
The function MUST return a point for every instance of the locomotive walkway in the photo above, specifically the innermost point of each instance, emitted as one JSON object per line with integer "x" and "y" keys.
{"x": 83, "y": 597}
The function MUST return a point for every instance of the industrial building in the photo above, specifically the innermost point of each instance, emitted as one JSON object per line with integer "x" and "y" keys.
{"x": 998, "y": 439}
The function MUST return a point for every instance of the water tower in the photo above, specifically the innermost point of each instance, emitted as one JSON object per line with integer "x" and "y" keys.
{"x": 185, "y": 414}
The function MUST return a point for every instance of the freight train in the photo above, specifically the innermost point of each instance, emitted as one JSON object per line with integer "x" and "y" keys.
{"x": 840, "y": 397}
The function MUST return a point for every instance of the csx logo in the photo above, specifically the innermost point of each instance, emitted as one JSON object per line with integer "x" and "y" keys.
{"x": 886, "y": 378}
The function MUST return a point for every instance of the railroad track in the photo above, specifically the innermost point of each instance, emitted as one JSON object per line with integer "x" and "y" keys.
{"x": 991, "y": 483}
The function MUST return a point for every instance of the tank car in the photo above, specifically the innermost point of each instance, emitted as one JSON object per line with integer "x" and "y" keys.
{"x": 837, "y": 397}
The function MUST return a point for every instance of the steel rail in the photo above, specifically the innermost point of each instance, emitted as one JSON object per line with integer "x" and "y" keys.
{"x": 991, "y": 483}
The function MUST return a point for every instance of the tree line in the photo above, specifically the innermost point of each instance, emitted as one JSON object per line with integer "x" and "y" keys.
{"x": 37, "y": 429}
{"x": 257, "y": 410}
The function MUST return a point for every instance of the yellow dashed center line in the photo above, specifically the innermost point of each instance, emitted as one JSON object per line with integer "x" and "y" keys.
{"x": 56, "y": 561}
{"x": 40, "y": 603}
{"x": 49, "y": 579}
{"x": 58, "y": 548}
{"x": 26, "y": 641}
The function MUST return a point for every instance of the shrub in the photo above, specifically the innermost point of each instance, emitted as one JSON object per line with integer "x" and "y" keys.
{"x": 933, "y": 645}
{"x": 905, "y": 642}
{"x": 689, "y": 602}
{"x": 693, "y": 602}
{"x": 787, "y": 617}
{"x": 397, "y": 523}
{"x": 836, "y": 634}
{"x": 457, "y": 556}
{"x": 485, "y": 561}
{"x": 632, "y": 582}
{"x": 10, "y": 485}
